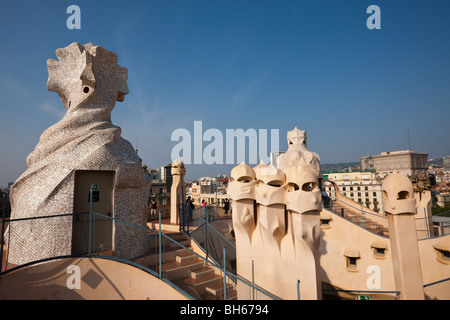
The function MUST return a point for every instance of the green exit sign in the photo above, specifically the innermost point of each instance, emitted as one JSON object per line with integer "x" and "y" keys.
{"x": 359, "y": 297}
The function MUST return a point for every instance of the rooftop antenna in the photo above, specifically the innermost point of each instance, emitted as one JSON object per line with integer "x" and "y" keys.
{"x": 409, "y": 140}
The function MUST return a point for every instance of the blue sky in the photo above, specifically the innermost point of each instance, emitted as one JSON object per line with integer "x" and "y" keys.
{"x": 240, "y": 64}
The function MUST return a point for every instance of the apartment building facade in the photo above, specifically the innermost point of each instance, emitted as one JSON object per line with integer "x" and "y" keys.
{"x": 362, "y": 187}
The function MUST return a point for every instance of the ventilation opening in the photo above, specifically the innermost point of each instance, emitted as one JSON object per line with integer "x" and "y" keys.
{"x": 275, "y": 183}
{"x": 379, "y": 252}
{"x": 325, "y": 223}
{"x": 403, "y": 195}
{"x": 443, "y": 256}
{"x": 352, "y": 263}
{"x": 86, "y": 89}
{"x": 309, "y": 186}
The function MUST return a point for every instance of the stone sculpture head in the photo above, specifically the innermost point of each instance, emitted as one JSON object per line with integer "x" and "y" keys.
{"x": 242, "y": 173}
{"x": 296, "y": 137}
{"x": 242, "y": 185}
{"x": 269, "y": 175}
{"x": 398, "y": 194}
{"x": 303, "y": 193}
{"x": 178, "y": 168}
{"x": 87, "y": 75}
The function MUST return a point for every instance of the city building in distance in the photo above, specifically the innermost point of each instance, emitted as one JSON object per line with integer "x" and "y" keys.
{"x": 363, "y": 187}
{"x": 406, "y": 162}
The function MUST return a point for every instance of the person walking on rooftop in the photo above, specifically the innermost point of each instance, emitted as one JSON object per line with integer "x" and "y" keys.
{"x": 226, "y": 205}
{"x": 153, "y": 209}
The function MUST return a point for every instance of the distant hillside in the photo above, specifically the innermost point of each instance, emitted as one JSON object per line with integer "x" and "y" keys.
{"x": 338, "y": 166}
{"x": 438, "y": 161}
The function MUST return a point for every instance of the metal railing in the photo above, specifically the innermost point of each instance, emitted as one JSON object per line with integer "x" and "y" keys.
{"x": 358, "y": 216}
{"x": 336, "y": 294}
{"x": 439, "y": 290}
{"x": 50, "y": 237}
{"x": 201, "y": 225}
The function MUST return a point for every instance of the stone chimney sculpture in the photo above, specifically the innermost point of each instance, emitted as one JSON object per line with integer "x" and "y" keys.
{"x": 89, "y": 81}
{"x": 176, "y": 193}
{"x": 277, "y": 226}
{"x": 297, "y": 149}
{"x": 400, "y": 205}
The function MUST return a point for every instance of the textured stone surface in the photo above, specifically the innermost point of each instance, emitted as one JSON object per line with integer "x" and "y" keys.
{"x": 89, "y": 82}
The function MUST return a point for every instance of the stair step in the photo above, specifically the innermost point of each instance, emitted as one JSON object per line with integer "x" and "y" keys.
{"x": 180, "y": 238}
{"x": 231, "y": 295}
{"x": 202, "y": 272}
{"x": 217, "y": 288}
{"x": 175, "y": 270}
{"x": 202, "y": 284}
{"x": 185, "y": 256}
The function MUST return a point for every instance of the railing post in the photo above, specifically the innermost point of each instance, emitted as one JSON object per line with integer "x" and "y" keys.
{"x": 426, "y": 222}
{"x": 216, "y": 203}
{"x": 189, "y": 214}
{"x": 362, "y": 216}
{"x": 3, "y": 231}
{"x": 90, "y": 221}
{"x": 160, "y": 247}
{"x": 224, "y": 273}
{"x": 179, "y": 213}
{"x": 207, "y": 246}
{"x": 253, "y": 279}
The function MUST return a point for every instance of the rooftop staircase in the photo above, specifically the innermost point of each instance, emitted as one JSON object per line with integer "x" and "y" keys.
{"x": 354, "y": 215}
{"x": 187, "y": 270}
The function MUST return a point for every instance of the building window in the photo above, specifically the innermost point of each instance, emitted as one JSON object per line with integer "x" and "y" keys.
{"x": 379, "y": 249}
{"x": 352, "y": 263}
{"x": 443, "y": 256}
{"x": 325, "y": 222}
{"x": 374, "y": 194}
{"x": 379, "y": 252}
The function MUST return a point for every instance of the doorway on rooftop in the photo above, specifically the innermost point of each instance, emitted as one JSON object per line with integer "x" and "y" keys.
{"x": 102, "y": 203}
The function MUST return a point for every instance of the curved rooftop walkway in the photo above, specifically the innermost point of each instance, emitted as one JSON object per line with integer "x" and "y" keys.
{"x": 87, "y": 278}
